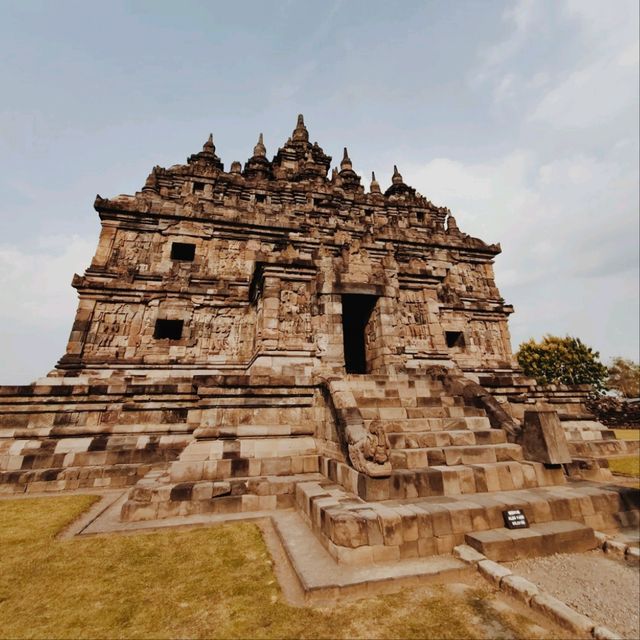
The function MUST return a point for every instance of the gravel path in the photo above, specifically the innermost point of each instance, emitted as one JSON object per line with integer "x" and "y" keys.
{"x": 606, "y": 590}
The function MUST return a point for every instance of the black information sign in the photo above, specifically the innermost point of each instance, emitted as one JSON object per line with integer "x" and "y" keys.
{"x": 515, "y": 519}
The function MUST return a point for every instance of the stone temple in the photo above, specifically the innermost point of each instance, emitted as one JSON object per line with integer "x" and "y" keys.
{"x": 276, "y": 336}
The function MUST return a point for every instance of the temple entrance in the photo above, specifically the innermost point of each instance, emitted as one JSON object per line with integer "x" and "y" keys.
{"x": 356, "y": 312}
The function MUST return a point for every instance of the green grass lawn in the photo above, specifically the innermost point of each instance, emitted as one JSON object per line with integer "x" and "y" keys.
{"x": 214, "y": 582}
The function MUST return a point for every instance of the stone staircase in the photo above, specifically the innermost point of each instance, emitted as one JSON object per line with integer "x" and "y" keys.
{"x": 438, "y": 444}
{"x": 235, "y": 444}
{"x": 355, "y": 531}
{"x": 588, "y": 438}
{"x": 452, "y": 477}
{"x": 251, "y": 448}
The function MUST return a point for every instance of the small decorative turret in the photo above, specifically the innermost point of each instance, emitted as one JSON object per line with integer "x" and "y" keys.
{"x": 452, "y": 225}
{"x": 350, "y": 179}
{"x": 151, "y": 183}
{"x": 298, "y": 159}
{"x": 398, "y": 187}
{"x": 207, "y": 155}
{"x": 258, "y": 167}
{"x": 346, "y": 161}
{"x": 260, "y": 151}
{"x": 236, "y": 167}
{"x": 300, "y": 133}
{"x": 375, "y": 186}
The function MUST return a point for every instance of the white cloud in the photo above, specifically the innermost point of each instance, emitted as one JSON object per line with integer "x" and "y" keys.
{"x": 590, "y": 96}
{"x": 37, "y": 304}
{"x": 605, "y": 83}
{"x": 519, "y": 18}
{"x": 35, "y": 285}
{"x": 569, "y": 232}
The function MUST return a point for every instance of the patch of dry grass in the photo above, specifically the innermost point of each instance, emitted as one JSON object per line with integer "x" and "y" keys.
{"x": 627, "y": 465}
{"x": 627, "y": 434}
{"x": 214, "y": 582}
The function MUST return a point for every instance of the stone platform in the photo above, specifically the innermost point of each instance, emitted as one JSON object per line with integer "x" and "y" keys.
{"x": 449, "y": 474}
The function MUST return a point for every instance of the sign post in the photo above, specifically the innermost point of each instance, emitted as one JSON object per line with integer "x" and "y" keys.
{"x": 515, "y": 519}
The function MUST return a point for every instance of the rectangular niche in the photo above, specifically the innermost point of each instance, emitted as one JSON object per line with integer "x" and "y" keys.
{"x": 183, "y": 251}
{"x": 454, "y": 339}
{"x": 168, "y": 329}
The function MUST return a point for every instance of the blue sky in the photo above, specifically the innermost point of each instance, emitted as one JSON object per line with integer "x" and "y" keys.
{"x": 521, "y": 116}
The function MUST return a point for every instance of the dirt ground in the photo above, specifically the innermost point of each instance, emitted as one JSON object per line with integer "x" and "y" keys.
{"x": 603, "y": 588}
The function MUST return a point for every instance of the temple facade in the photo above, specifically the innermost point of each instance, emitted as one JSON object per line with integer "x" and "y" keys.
{"x": 280, "y": 267}
{"x": 276, "y": 336}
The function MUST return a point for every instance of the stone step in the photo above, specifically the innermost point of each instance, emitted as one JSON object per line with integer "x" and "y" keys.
{"x": 443, "y": 480}
{"x": 541, "y": 539}
{"x": 412, "y": 413}
{"x": 70, "y": 478}
{"x": 61, "y": 460}
{"x": 156, "y": 497}
{"x": 254, "y": 431}
{"x": 359, "y": 532}
{"x": 240, "y": 466}
{"x": 421, "y": 424}
{"x": 453, "y": 437}
{"x": 416, "y": 458}
{"x": 387, "y": 398}
{"x": 600, "y": 448}
{"x": 372, "y": 381}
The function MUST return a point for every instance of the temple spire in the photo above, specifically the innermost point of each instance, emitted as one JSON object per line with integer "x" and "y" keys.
{"x": 398, "y": 188}
{"x": 346, "y": 161}
{"x": 207, "y": 155}
{"x": 260, "y": 151}
{"x": 300, "y": 133}
{"x": 258, "y": 167}
{"x": 374, "y": 187}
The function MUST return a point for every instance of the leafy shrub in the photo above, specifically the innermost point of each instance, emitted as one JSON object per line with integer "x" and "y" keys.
{"x": 562, "y": 361}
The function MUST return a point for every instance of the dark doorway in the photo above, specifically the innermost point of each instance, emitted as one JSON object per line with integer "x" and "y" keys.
{"x": 356, "y": 311}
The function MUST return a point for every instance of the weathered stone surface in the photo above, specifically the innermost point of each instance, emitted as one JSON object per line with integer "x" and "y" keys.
{"x": 468, "y": 554}
{"x": 519, "y": 588}
{"x": 544, "y": 439}
{"x": 276, "y": 335}
{"x": 602, "y": 633}
{"x": 561, "y": 614}
{"x": 493, "y": 571}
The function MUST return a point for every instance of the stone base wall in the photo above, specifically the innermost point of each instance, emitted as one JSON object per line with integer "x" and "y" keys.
{"x": 111, "y": 432}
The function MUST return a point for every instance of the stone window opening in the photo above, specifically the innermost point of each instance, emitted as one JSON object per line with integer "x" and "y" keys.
{"x": 168, "y": 329}
{"x": 261, "y": 197}
{"x": 183, "y": 251}
{"x": 198, "y": 187}
{"x": 356, "y": 312}
{"x": 420, "y": 217}
{"x": 454, "y": 339}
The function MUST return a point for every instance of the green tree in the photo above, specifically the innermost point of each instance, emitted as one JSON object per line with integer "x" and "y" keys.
{"x": 562, "y": 360}
{"x": 624, "y": 377}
